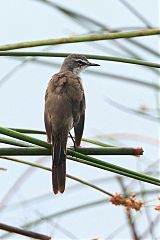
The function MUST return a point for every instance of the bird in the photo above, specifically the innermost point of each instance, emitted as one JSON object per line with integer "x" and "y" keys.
{"x": 65, "y": 109}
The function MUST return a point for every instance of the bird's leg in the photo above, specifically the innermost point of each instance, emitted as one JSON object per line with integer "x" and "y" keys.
{"x": 74, "y": 144}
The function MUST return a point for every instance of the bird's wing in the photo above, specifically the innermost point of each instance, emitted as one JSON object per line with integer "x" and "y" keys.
{"x": 79, "y": 125}
{"x": 47, "y": 126}
{"x": 47, "y": 122}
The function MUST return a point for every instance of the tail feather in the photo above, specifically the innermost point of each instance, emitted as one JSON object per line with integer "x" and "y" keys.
{"x": 62, "y": 172}
{"x": 54, "y": 180}
{"x": 58, "y": 167}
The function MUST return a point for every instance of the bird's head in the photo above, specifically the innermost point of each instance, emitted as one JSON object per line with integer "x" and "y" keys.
{"x": 76, "y": 63}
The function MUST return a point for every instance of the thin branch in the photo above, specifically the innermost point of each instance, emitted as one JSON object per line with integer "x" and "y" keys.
{"x": 154, "y": 223}
{"x": 117, "y": 231}
{"x": 103, "y": 74}
{"x": 67, "y": 211}
{"x": 65, "y": 231}
{"x": 123, "y": 78}
{"x": 63, "y": 212}
{"x": 89, "y": 56}
{"x": 11, "y": 72}
{"x": 45, "y": 196}
{"x": 69, "y": 176}
{"x": 144, "y": 47}
{"x": 25, "y": 61}
{"x": 128, "y": 213}
{"x": 80, "y": 38}
{"x": 16, "y": 185}
{"x": 91, "y": 23}
{"x": 132, "y": 111}
{"x": 147, "y": 210}
{"x": 136, "y": 13}
{"x": 130, "y": 136}
{"x": 23, "y": 232}
{"x": 88, "y": 23}
{"x": 96, "y": 142}
{"x": 90, "y": 185}
{"x": 149, "y": 25}
{"x": 2, "y": 169}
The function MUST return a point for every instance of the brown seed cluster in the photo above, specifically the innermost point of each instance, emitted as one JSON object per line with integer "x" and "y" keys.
{"x": 128, "y": 202}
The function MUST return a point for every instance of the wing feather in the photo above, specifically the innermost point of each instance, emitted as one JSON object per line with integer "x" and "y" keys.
{"x": 79, "y": 125}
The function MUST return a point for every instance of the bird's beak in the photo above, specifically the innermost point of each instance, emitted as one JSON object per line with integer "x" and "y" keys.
{"x": 93, "y": 64}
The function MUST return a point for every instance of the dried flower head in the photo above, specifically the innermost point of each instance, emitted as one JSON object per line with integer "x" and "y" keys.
{"x": 128, "y": 202}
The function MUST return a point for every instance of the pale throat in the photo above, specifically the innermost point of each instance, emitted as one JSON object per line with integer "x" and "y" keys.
{"x": 77, "y": 71}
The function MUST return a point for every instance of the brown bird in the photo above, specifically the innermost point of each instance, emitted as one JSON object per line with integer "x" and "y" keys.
{"x": 65, "y": 109}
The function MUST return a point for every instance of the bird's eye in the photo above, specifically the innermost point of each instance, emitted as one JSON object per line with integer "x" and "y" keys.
{"x": 81, "y": 63}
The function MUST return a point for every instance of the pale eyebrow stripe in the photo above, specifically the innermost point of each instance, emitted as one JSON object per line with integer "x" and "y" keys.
{"x": 77, "y": 60}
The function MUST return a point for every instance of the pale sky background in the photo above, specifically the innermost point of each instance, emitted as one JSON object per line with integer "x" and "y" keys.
{"x": 22, "y": 103}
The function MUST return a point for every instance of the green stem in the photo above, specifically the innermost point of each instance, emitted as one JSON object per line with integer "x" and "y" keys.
{"x": 98, "y": 163}
{"x": 89, "y": 56}
{"x": 28, "y": 131}
{"x": 30, "y": 151}
{"x": 113, "y": 168}
{"x": 33, "y": 131}
{"x": 95, "y": 142}
{"x": 17, "y": 135}
{"x": 14, "y": 142}
{"x": 80, "y": 38}
{"x": 110, "y": 151}
{"x": 79, "y": 157}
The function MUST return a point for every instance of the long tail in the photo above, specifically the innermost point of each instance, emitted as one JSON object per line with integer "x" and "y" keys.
{"x": 58, "y": 167}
